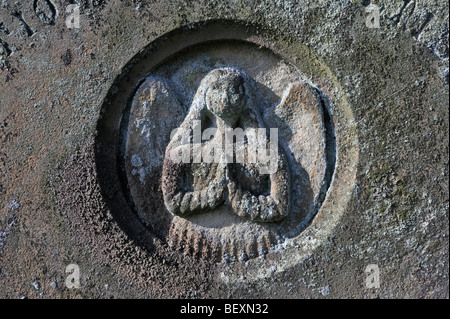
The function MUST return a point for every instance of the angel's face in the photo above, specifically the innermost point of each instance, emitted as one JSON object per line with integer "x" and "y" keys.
{"x": 226, "y": 96}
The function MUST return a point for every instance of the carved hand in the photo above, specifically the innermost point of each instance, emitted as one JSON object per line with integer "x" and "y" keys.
{"x": 262, "y": 208}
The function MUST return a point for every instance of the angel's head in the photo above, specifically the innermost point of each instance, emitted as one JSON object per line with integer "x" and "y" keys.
{"x": 226, "y": 95}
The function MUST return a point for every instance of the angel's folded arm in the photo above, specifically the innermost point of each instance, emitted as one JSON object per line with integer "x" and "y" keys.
{"x": 263, "y": 208}
{"x": 179, "y": 199}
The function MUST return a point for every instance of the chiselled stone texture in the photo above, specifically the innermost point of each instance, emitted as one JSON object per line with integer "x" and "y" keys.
{"x": 86, "y": 117}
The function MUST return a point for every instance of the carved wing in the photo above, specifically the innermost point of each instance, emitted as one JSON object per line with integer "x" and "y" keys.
{"x": 300, "y": 120}
{"x": 155, "y": 112}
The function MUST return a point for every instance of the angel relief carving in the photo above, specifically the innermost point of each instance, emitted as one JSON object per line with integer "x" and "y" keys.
{"x": 220, "y": 152}
{"x": 224, "y": 150}
{"x": 228, "y": 159}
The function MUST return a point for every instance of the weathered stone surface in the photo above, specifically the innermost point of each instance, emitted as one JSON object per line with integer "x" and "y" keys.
{"x": 376, "y": 149}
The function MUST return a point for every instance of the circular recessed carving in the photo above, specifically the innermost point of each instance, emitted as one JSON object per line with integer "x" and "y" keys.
{"x": 166, "y": 118}
{"x": 235, "y": 208}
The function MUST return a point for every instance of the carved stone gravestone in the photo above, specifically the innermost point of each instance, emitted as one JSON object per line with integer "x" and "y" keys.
{"x": 241, "y": 149}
